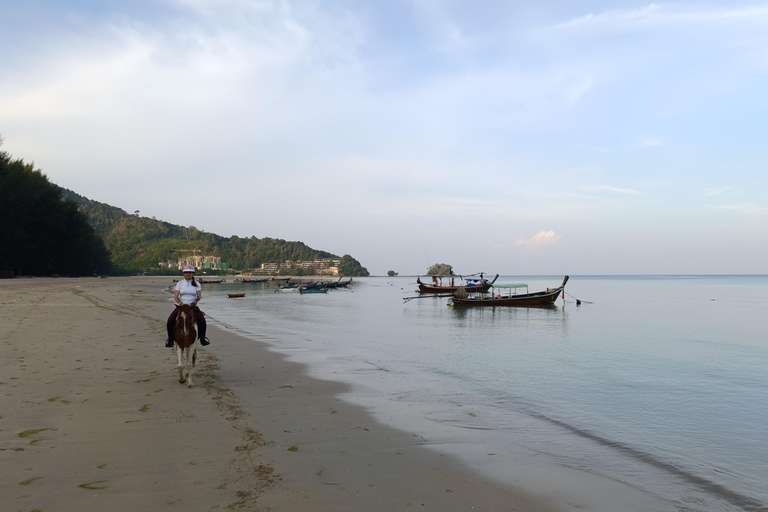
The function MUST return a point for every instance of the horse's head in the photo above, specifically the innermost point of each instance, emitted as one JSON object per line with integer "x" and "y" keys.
{"x": 185, "y": 326}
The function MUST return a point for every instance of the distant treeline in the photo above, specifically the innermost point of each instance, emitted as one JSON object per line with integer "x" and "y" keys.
{"x": 41, "y": 234}
{"x": 45, "y": 229}
{"x": 138, "y": 244}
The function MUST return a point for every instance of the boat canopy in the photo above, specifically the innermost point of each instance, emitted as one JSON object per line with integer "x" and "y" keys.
{"x": 519, "y": 285}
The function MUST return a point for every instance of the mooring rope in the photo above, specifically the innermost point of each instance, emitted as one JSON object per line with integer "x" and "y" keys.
{"x": 578, "y": 301}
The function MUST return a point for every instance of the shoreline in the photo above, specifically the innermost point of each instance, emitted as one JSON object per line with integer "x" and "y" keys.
{"x": 93, "y": 418}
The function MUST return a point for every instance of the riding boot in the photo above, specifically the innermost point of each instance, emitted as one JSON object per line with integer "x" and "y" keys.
{"x": 169, "y": 342}
{"x": 201, "y": 334}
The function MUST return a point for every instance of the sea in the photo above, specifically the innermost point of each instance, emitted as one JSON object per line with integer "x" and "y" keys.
{"x": 657, "y": 384}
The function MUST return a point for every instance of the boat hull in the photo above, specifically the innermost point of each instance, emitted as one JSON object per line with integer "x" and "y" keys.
{"x": 527, "y": 300}
{"x": 427, "y": 288}
{"x": 313, "y": 290}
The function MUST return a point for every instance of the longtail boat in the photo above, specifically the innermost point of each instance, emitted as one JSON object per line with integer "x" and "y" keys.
{"x": 235, "y": 295}
{"x": 454, "y": 282}
{"x": 333, "y": 284}
{"x": 512, "y": 298}
{"x": 341, "y": 284}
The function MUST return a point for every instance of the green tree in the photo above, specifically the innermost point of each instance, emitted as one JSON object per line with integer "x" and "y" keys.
{"x": 138, "y": 244}
{"x": 391, "y": 273}
{"x": 41, "y": 234}
{"x": 440, "y": 269}
{"x": 349, "y": 266}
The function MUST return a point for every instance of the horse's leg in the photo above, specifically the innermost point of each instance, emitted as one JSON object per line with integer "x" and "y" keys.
{"x": 190, "y": 358}
{"x": 180, "y": 366}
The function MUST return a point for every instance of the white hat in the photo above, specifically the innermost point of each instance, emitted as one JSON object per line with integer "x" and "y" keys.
{"x": 188, "y": 268}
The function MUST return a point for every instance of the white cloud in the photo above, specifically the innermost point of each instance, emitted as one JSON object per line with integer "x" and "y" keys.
{"x": 611, "y": 189}
{"x": 744, "y": 208}
{"x": 719, "y": 191}
{"x": 539, "y": 239}
{"x": 651, "y": 142}
{"x": 655, "y": 15}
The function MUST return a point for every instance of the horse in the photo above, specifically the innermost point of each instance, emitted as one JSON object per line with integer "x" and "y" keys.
{"x": 185, "y": 336}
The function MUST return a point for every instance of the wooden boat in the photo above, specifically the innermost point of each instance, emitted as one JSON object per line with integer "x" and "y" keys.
{"x": 288, "y": 286}
{"x": 332, "y": 284}
{"x": 545, "y": 298}
{"x": 338, "y": 284}
{"x": 254, "y": 281}
{"x": 302, "y": 289}
{"x": 235, "y": 295}
{"x": 212, "y": 281}
{"x": 344, "y": 284}
{"x": 455, "y": 282}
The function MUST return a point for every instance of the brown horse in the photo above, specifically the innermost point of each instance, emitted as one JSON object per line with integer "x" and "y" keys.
{"x": 185, "y": 336}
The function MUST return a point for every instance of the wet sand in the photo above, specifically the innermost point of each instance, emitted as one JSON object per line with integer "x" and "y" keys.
{"x": 92, "y": 417}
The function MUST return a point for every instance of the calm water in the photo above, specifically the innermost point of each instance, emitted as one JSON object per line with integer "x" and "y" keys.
{"x": 661, "y": 383}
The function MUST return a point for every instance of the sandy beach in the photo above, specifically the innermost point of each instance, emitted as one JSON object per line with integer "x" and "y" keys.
{"x": 92, "y": 417}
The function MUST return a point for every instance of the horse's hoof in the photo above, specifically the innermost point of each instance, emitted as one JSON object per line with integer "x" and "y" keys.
{"x": 190, "y": 386}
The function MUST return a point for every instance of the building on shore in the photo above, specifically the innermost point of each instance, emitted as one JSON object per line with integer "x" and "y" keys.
{"x": 200, "y": 262}
{"x": 321, "y": 267}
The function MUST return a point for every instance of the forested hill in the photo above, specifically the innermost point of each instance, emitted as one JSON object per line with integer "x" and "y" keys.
{"x": 138, "y": 243}
{"x": 40, "y": 234}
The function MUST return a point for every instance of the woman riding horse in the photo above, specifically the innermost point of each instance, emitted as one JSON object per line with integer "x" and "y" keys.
{"x": 188, "y": 291}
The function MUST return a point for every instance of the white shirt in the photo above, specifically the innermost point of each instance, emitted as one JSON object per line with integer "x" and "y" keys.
{"x": 187, "y": 291}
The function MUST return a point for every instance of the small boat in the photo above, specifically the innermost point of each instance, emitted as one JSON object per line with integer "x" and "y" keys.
{"x": 338, "y": 284}
{"x": 546, "y": 298}
{"x": 235, "y": 295}
{"x": 288, "y": 286}
{"x": 470, "y": 284}
{"x": 254, "y": 281}
{"x": 212, "y": 281}
{"x": 341, "y": 284}
{"x": 312, "y": 290}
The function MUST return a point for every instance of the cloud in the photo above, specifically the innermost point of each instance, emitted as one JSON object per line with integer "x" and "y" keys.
{"x": 613, "y": 190}
{"x": 655, "y": 15}
{"x": 539, "y": 239}
{"x": 744, "y": 208}
{"x": 448, "y": 32}
{"x": 719, "y": 191}
{"x": 651, "y": 142}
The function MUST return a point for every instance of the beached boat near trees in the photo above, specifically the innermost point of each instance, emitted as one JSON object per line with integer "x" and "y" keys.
{"x": 463, "y": 297}
{"x": 452, "y": 282}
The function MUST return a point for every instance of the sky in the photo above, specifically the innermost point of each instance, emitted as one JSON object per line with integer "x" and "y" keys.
{"x": 531, "y": 137}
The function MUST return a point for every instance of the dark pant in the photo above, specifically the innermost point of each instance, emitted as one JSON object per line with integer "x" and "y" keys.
{"x": 201, "y": 325}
